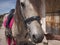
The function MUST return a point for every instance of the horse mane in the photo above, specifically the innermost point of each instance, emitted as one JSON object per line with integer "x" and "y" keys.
{"x": 19, "y": 21}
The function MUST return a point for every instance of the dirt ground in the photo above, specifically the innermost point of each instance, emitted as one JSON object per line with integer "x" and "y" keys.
{"x": 2, "y": 37}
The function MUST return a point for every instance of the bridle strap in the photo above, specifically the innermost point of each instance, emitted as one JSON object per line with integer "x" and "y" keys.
{"x": 29, "y": 20}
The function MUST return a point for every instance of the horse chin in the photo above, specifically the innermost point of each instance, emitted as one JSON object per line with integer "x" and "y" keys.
{"x": 38, "y": 41}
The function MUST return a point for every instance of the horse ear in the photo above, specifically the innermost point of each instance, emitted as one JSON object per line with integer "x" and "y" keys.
{"x": 19, "y": 19}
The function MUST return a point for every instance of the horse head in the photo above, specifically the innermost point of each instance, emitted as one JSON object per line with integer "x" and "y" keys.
{"x": 32, "y": 14}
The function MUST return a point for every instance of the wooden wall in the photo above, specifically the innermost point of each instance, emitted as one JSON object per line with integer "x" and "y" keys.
{"x": 52, "y": 5}
{"x": 53, "y": 16}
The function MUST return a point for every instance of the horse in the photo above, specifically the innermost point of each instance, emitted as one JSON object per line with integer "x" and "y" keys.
{"x": 30, "y": 10}
{"x": 28, "y": 16}
{"x": 29, "y": 19}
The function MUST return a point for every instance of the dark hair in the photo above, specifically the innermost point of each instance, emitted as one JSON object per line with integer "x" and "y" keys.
{"x": 12, "y": 11}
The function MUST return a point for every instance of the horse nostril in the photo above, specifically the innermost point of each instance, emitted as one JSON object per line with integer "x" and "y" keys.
{"x": 34, "y": 37}
{"x": 37, "y": 38}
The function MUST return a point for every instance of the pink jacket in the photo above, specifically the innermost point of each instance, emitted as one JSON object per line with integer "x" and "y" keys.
{"x": 11, "y": 22}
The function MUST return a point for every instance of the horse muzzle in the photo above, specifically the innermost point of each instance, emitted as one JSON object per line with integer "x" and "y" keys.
{"x": 37, "y": 38}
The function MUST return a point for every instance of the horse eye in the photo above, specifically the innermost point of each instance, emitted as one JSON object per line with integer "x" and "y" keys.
{"x": 23, "y": 5}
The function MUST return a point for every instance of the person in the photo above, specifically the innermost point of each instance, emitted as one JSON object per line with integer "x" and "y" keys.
{"x": 8, "y": 32}
{"x": 10, "y": 17}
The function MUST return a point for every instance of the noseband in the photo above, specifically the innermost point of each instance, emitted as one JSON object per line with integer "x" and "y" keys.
{"x": 29, "y": 20}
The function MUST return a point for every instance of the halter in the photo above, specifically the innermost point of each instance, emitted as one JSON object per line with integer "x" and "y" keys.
{"x": 29, "y": 20}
